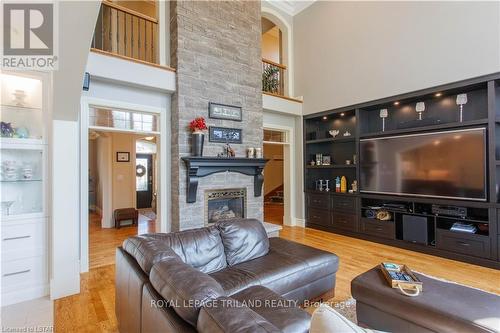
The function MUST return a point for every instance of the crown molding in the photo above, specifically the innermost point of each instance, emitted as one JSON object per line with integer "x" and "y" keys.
{"x": 291, "y": 7}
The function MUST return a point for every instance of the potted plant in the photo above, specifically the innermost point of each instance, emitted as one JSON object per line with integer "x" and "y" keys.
{"x": 197, "y": 127}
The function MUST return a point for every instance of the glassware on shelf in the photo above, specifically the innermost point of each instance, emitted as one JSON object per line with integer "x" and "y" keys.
{"x": 9, "y": 170}
{"x": 6, "y": 207}
{"x": 27, "y": 172}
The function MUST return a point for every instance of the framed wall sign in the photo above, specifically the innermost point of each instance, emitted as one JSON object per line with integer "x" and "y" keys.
{"x": 222, "y": 111}
{"x": 122, "y": 156}
{"x": 223, "y": 134}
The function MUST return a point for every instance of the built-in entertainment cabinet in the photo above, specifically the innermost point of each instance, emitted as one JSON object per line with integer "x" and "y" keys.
{"x": 452, "y": 226}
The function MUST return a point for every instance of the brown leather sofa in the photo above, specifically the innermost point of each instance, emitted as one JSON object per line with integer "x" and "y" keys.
{"x": 229, "y": 277}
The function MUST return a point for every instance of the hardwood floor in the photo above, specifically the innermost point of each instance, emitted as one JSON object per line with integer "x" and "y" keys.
{"x": 104, "y": 241}
{"x": 274, "y": 212}
{"x": 93, "y": 309}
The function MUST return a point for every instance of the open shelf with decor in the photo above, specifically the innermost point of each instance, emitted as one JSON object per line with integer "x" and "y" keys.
{"x": 433, "y": 110}
{"x": 428, "y": 159}
{"x": 331, "y": 150}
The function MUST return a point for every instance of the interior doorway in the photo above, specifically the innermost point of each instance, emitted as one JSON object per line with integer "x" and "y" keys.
{"x": 275, "y": 188}
{"x": 122, "y": 175}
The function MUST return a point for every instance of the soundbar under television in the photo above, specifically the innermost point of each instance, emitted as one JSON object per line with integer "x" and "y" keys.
{"x": 448, "y": 164}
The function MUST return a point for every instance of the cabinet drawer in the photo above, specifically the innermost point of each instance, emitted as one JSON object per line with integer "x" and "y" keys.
{"x": 378, "y": 228}
{"x": 319, "y": 201}
{"x": 318, "y": 216}
{"x": 471, "y": 244}
{"x": 344, "y": 204}
{"x": 24, "y": 273}
{"x": 344, "y": 221}
{"x": 24, "y": 239}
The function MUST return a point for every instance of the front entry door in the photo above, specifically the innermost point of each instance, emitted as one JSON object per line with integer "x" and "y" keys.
{"x": 144, "y": 180}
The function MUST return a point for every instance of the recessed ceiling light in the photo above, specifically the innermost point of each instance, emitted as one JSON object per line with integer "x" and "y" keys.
{"x": 396, "y": 103}
{"x": 325, "y": 117}
{"x": 342, "y": 114}
{"x": 438, "y": 94}
{"x": 149, "y": 138}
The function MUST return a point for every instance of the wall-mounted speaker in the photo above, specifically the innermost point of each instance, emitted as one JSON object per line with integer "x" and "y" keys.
{"x": 415, "y": 229}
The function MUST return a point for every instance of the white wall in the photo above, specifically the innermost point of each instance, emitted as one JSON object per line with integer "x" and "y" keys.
{"x": 351, "y": 52}
{"x": 74, "y": 43}
{"x": 65, "y": 277}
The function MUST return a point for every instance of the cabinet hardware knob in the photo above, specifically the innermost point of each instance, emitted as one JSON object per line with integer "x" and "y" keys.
{"x": 17, "y": 273}
{"x": 13, "y": 238}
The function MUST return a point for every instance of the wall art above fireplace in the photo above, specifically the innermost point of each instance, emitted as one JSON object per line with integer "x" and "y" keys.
{"x": 225, "y": 135}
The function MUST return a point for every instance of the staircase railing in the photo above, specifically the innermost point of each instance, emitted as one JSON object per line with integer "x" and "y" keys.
{"x": 127, "y": 33}
{"x": 273, "y": 77}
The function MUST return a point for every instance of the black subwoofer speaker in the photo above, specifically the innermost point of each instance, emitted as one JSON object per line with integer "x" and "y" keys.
{"x": 415, "y": 229}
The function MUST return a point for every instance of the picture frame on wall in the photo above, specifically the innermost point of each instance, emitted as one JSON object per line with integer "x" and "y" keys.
{"x": 122, "y": 156}
{"x": 225, "y": 135}
{"x": 225, "y": 112}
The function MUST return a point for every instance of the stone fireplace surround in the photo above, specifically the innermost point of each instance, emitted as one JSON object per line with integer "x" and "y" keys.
{"x": 216, "y": 50}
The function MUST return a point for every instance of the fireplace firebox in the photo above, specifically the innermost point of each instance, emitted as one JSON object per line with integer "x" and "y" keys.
{"x": 224, "y": 204}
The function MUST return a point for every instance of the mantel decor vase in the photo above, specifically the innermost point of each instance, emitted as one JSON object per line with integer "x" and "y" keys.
{"x": 198, "y": 139}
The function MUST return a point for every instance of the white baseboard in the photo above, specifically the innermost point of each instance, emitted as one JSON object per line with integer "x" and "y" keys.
{"x": 299, "y": 222}
{"x": 25, "y": 294}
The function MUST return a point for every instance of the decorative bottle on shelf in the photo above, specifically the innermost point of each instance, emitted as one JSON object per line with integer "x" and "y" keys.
{"x": 337, "y": 184}
{"x": 343, "y": 184}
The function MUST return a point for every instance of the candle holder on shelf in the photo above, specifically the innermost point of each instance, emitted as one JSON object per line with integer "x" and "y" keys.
{"x": 420, "y": 107}
{"x": 461, "y": 101}
{"x": 383, "y": 115}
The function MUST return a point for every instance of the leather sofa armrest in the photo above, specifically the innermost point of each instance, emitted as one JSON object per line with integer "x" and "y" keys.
{"x": 227, "y": 315}
{"x": 147, "y": 251}
{"x": 186, "y": 288}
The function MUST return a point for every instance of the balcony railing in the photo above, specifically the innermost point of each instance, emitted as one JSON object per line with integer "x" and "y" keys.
{"x": 273, "y": 77}
{"x": 126, "y": 33}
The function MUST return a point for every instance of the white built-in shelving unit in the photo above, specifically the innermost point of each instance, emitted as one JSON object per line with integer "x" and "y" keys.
{"x": 24, "y": 180}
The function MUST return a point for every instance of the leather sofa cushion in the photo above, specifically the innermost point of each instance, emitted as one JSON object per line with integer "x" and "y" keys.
{"x": 185, "y": 287}
{"x": 243, "y": 239}
{"x": 226, "y": 315}
{"x": 282, "y": 313}
{"x": 442, "y": 306}
{"x": 286, "y": 267}
{"x": 201, "y": 248}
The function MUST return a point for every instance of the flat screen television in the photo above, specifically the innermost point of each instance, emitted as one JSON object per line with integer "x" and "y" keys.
{"x": 448, "y": 164}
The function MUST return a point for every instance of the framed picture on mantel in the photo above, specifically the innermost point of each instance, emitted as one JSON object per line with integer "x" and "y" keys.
{"x": 224, "y": 135}
{"x": 223, "y": 111}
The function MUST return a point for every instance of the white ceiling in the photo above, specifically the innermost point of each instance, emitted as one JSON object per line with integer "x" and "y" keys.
{"x": 292, "y": 7}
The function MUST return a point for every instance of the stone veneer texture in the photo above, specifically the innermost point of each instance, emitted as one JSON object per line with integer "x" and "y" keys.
{"x": 216, "y": 50}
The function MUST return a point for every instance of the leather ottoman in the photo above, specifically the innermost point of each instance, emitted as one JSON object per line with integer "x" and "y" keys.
{"x": 441, "y": 307}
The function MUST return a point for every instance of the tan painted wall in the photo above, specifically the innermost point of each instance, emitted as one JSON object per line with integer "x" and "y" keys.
{"x": 361, "y": 51}
{"x": 144, "y": 7}
{"x": 271, "y": 45}
{"x": 123, "y": 172}
{"x": 273, "y": 172}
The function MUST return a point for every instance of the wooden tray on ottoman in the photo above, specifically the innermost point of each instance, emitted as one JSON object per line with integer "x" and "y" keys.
{"x": 415, "y": 285}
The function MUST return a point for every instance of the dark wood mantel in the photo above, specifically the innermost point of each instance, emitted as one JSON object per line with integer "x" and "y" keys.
{"x": 204, "y": 166}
